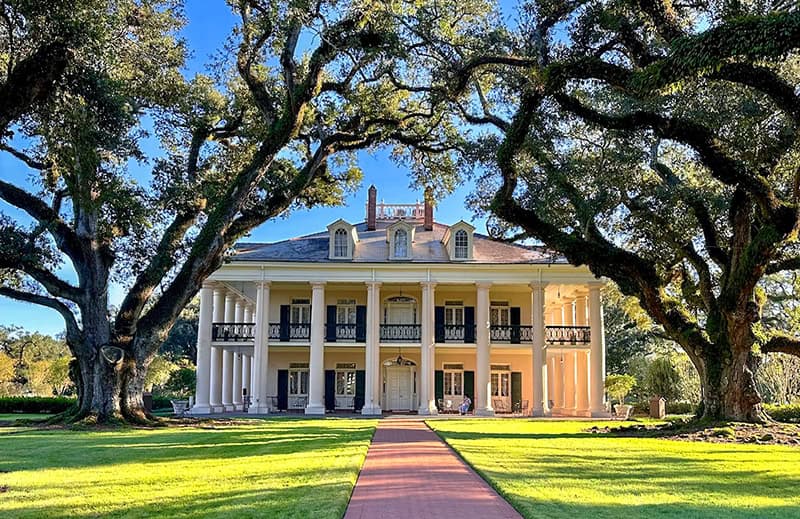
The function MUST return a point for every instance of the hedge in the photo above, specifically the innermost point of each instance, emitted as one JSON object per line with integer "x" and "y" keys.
{"x": 643, "y": 408}
{"x": 35, "y": 404}
{"x": 783, "y": 413}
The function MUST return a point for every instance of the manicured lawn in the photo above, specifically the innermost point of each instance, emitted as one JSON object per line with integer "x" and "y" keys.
{"x": 279, "y": 467}
{"x": 10, "y": 417}
{"x": 553, "y": 469}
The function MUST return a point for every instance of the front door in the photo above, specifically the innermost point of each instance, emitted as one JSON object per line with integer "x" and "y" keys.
{"x": 399, "y": 388}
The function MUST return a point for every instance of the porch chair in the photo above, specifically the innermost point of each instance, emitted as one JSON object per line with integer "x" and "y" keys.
{"x": 521, "y": 408}
{"x": 500, "y": 406}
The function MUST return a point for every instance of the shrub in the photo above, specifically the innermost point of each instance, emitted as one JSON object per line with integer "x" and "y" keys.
{"x": 784, "y": 413}
{"x": 24, "y": 404}
{"x": 681, "y": 408}
{"x": 619, "y": 386}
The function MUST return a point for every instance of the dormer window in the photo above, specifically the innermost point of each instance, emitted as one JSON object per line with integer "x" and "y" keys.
{"x": 400, "y": 243}
{"x": 342, "y": 240}
{"x": 340, "y": 244}
{"x": 461, "y": 244}
{"x": 400, "y": 237}
{"x": 457, "y": 241}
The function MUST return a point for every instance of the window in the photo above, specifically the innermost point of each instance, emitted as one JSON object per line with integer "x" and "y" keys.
{"x": 453, "y": 380}
{"x": 461, "y": 244}
{"x": 298, "y": 378}
{"x": 400, "y": 243}
{"x": 300, "y": 311}
{"x": 345, "y": 379}
{"x": 340, "y": 244}
{"x": 346, "y": 311}
{"x": 501, "y": 384}
{"x": 454, "y": 313}
{"x": 499, "y": 313}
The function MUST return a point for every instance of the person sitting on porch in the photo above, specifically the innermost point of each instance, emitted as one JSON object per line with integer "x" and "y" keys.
{"x": 464, "y": 407}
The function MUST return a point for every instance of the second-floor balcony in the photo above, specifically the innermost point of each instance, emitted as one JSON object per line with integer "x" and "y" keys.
{"x": 410, "y": 333}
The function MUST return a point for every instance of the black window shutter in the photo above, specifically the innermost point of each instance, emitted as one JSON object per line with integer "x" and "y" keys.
{"x": 515, "y": 322}
{"x": 469, "y": 387}
{"x": 358, "y": 402}
{"x": 283, "y": 389}
{"x": 516, "y": 390}
{"x": 469, "y": 324}
{"x": 361, "y": 323}
{"x": 438, "y": 385}
{"x": 330, "y": 389}
{"x": 285, "y": 309}
{"x": 438, "y": 323}
{"x": 330, "y": 324}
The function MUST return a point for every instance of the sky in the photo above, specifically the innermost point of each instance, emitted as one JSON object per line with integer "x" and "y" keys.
{"x": 209, "y": 23}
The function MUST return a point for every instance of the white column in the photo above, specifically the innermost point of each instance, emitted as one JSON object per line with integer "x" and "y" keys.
{"x": 372, "y": 367}
{"x": 483, "y": 386}
{"x": 259, "y": 403}
{"x": 247, "y": 358}
{"x": 427, "y": 392}
{"x": 215, "y": 396}
{"x": 316, "y": 361}
{"x": 227, "y": 357}
{"x": 597, "y": 351}
{"x": 237, "y": 361}
{"x": 539, "y": 373}
{"x": 582, "y": 362}
{"x": 203, "y": 386}
{"x": 558, "y": 382}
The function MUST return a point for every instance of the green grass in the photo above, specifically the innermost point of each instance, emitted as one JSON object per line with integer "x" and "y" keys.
{"x": 257, "y": 468}
{"x": 10, "y": 417}
{"x": 553, "y": 469}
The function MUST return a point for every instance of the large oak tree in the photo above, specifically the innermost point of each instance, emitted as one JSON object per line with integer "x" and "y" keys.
{"x": 300, "y": 86}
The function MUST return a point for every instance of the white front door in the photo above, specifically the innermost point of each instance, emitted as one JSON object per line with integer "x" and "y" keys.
{"x": 399, "y": 390}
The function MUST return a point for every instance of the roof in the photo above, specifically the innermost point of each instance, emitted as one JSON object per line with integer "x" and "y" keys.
{"x": 372, "y": 248}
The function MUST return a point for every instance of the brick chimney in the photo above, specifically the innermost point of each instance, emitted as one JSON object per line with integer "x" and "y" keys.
{"x": 428, "y": 209}
{"x": 372, "y": 198}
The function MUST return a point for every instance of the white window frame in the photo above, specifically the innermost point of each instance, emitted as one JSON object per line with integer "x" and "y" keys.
{"x": 498, "y": 312}
{"x": 451, "y": 374}
{"x": 501, "y": 383}
{"x": 300, "y": 375}
{"x": 454, "y": 313}
{"x": 341, "y": 243}
{"x": 405, "y": 245}
{"x": 461, "y": 250}
{"x": 348, "y": 373}
{"x": 346, "y": 311}
{"x": 302, "y": 308}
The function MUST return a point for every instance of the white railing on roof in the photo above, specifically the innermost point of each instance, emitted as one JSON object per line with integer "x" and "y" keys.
{"x": 415, "y": 211}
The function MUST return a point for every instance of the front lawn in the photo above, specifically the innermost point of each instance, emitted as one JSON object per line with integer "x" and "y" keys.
{"x": 280, "y": 467}
{"x": 554, "y": 469}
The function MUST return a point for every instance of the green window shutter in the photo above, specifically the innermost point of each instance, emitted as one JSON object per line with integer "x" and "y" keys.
{"x": 469, "y": 387}
{"x": 516, "y": 389}
{"x": 438, "y": 385}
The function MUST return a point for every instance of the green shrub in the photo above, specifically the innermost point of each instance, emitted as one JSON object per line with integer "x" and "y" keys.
{"x": 681, "y": 408}
{"x": 784, "y": 413}
{"x": 162, "y": 400}
{"x": 35, "y": 404}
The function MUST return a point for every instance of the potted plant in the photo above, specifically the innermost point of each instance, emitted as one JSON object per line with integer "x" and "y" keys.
{"x": 618, "y": 386}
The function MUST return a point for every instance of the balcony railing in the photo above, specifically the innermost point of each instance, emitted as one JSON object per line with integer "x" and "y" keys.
{"x": 290, "y": 331}
{"x": 456, "y": 333}
{"x": 345, "y": 332}
{"x": 568, "y": 334}
{"x": 513, "y": 333}
{"x": 401, "y": 332}
{"x": 233, "y": 332}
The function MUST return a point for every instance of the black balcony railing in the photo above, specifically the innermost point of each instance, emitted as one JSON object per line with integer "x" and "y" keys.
{"x": 401, "y": 332}
{"x": 513, "y": 333}
{"x": 232, "y": 332}
{"x": 454, "y": 332}
{"x": 345, "y": 332}
{"x": 285, "y": 332}
{"x": 567, "y": 334}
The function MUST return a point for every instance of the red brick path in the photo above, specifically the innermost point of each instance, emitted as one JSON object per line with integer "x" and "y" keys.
{"x": 410, "y": 472}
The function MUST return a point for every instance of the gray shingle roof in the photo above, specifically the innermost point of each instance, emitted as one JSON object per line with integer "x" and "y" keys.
{"x": 372, "y": 248}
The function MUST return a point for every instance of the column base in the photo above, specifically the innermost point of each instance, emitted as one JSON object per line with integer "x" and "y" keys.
{"x": 583, "y": 413}
{"x": 258, "y": 410}
{"x": 374, "y": 410}
{"x": 217, "y": 408}
{"x": 427, "y": 411}
{"x": 484, "y": 412}
{"x": 315, "y": 410}
{"x": 599, "y": 413}
{"x": 238, "y": 407}
{"x": 228, "y": 408}
{"x": 539, "y": 412}
{"x": 200, "y": 409}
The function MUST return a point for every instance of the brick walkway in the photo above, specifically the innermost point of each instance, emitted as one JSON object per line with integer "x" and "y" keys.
{"x": 410, "y": 472}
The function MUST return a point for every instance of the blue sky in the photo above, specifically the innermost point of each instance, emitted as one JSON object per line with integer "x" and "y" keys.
{"x": 208, "y": 26}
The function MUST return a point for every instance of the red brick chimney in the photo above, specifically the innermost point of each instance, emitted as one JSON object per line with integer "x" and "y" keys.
{"x": 428, "y": 209}
{"x": 372, "y": 199}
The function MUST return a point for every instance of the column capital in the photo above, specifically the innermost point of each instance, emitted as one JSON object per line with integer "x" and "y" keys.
{"x": 208, "y": 284}
{"x": 485, "y": 285}
{"x": 595, "y": 285}
{"x": 428, "y": 284}
{"x": 263, "y": 284}
{"x": 231, "y": 296}
{"x": 371, "y": 284}
{"x": 538, "y": 284}
{"x": 317, "y": 284}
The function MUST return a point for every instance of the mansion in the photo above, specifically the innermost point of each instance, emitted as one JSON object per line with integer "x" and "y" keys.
{"x": 400, "y": 314}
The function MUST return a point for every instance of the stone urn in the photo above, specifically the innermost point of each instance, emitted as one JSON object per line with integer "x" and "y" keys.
{"x": 623, "y": 410}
